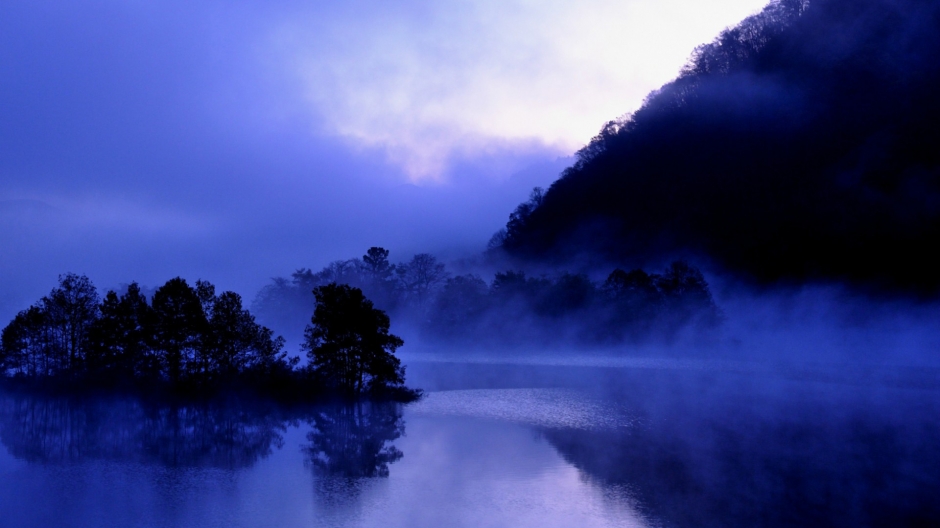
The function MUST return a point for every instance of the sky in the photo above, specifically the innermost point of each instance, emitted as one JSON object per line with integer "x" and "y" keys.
{"x": 240, "y": 140}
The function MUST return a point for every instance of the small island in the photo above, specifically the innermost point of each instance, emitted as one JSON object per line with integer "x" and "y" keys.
{"x": 188, "y": 341}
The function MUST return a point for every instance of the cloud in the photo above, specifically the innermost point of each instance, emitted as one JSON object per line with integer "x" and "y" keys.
{"x": 432, "y": 81}
{"x": 234, "y": 141}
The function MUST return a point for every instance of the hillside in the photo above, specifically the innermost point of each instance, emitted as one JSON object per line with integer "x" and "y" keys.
{"x": 801, "y": 144}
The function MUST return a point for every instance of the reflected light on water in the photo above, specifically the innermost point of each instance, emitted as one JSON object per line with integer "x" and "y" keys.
{"x": 74, "y": 463}
{"x": 496, "y": 445}
{"x": 484, "y": 472}
{"x": 540, "y": 407}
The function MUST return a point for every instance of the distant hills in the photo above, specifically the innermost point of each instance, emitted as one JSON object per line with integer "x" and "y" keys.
{"x": 803, "y": 143}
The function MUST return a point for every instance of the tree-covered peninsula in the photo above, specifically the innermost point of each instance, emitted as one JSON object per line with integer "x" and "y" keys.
{"x": 188, "y": 340}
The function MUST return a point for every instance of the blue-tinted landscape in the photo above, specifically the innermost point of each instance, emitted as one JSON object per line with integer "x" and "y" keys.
{"x": 655, "y": 444}
{"x": 470, "y": 263}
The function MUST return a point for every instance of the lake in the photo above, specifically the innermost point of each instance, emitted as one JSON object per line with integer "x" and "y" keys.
{"x": 569, "y": 441}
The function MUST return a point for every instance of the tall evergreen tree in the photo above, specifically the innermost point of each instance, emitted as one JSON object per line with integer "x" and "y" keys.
{"x": 120, "y": 340}
{"x": 348, "y": 343}
{"x": 180, "y": 326}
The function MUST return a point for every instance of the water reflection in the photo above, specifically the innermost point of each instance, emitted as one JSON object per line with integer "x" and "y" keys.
{"x": 712, "y": 448}
{"x": 349, "y": 440}
{"x": 60, "y": 430}
{"x": 771, "y": 456}
{"x": 354, "y": 440}
{"x": 620, "y": 447}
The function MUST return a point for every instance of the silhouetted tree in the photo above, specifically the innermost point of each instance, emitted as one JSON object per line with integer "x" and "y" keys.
{"x": 348, "y": 343}
{"x": 189, "y": 340}
{"x": 120, "y": 340}
{"x": 51, "y": 337}
{"x": 25, "y": 343}
{"x": 496, "y": 241}
{"x": 378, "y": 278}
{"x": 236, "y": 343}
{"x": 181, "y": 325}
{"x": 634, "y": 293}
{"x": 520, "y": 216}
{"x": 341, "y": 272}
{"x": 682, "y": 281}
{"x": 686, "y": 294}
{"x": 376, "y": 265}
{"x": 421, "y": 276}
{"x": 516, "y": 308}
{"x": 231, "y": 337}
{"x": 70, "y": 310}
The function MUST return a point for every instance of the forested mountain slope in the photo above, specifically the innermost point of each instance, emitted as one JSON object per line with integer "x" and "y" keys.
{"x": 801, "y": 144}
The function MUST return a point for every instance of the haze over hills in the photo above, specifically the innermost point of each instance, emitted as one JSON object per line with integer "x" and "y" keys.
{"x": 800, "y": 144}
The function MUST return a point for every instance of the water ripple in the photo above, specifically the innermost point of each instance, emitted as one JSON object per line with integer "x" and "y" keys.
{"x": 542, "y": 407}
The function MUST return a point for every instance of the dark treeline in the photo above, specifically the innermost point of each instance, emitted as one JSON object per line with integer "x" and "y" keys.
{"x": 188, "y": 340}
{"x": 800, "y": 144}
{"x": 186, "y": 336}
{"x": 511, "y": 308}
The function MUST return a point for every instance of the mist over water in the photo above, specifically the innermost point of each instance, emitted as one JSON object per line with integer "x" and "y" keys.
{"x": 796, "y": 382}
{"x": 556, "y": 443}
{"x": 804, "y": 406}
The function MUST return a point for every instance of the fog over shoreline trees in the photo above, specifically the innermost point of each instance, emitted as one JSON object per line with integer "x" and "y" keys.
{"x": 190, "y": 339}
{"x": 512, "y": 308}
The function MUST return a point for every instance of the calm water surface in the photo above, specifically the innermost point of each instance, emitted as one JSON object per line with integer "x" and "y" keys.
{"x": 497, "y": 445}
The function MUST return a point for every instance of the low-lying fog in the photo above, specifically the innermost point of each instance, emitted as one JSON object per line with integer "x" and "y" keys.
{"x": 537, "y": 443}
{"x": 802, "y": 406}
{"x": 806, "y": 405}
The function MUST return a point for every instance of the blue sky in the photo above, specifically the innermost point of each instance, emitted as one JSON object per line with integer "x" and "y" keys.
{"x": 235, "y": 141}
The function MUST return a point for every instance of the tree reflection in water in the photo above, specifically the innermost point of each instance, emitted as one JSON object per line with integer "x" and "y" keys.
{"x": 354, "y": 440}
{"x": 59, "y": 430}
{"x": 349, "y": 450}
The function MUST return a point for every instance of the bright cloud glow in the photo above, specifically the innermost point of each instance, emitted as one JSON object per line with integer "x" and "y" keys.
{"x": 435, "y": 81}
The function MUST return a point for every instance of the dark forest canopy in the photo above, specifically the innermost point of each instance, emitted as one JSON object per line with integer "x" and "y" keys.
{"x": 186, "y": 339}
{"x": 512, "y": 308}
{"x": 801, "y": 144}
